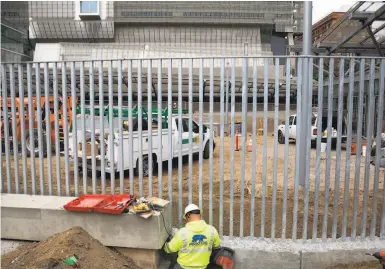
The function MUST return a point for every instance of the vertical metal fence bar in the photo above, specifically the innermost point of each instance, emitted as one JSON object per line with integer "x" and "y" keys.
{"x": 14, "y": 136}
{"x": 211, "y": 140}
{"x": 264, "y": 172}
{"x": 1, "y": 143}
{"x": 190, "y": 138}
{"x": 286, "y": 158}
{"x": 380, "y": 109}
{"x": 92, "y": 115}
{"x": 318, "y": 153}
{"x": 57, "y": 133}
{"x": 348, "y": 149}
{"x": 120, "y": 128}
{"x": 160, "y": 132}
{"x": 170, "y": 121}
{"x": 382, "y": 223}
{"x": 39, "y": 128}
{"x": 47, "y": 103}
{"x": 65, "y": 126}
{"x": 338, "y": 150}
{"x": 276, "y": 100}
{"x": 244, "y": 137}
{"x": 31, "y": 122}
{"x": 369, "y": 132}
{"x": 6, "y": 129}
{"x": 140, "y": 128}
{"x": 180, "y": 144}
{"x": 23, "y": 129}
{"x": 101, "y": 131}
{"x": 200, "y": 133}
{"x": 74, "y": 128}
{"x": 309, "y": 92}
{"x": 357, "y": 175}
{"x": 232, "y": 147}
{"x": 254, "y": 153}
{"x": 328, "y": 150}
{"x": 83, "y": 120}
{"x": 297, "y": 149}
{"x": 149, "y": 113}
{"x": 111, "y": 135}
{"x": 130, "y": 128}
{"x": 221, "y": 163}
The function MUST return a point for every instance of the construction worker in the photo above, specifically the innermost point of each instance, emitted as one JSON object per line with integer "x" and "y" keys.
{"x": 194, "y": 242}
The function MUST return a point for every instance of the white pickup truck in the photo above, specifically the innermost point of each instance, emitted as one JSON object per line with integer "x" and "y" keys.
{"x": 112, "y": 162}
{"x": 292, "y": 132}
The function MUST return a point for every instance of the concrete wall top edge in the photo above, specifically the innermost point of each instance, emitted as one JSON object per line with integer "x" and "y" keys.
{"x": 308, "y": 246}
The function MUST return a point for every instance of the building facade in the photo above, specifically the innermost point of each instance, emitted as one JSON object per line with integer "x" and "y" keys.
{"x": 94, "y": 30}
{"x": 15, "y": 43}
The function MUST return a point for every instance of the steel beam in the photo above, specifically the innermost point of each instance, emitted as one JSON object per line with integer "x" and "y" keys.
{"x": 374, "y": 32}
{"x": 368, "y": 22}
{"x": 363, "y": 16}
{"x": 374, "y": 41}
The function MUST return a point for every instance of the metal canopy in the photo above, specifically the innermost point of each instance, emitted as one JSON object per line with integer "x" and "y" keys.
{"x": 360, "y": 31}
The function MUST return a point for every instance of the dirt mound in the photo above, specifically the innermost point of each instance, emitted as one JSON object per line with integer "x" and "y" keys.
{"x": 51, "y": 253}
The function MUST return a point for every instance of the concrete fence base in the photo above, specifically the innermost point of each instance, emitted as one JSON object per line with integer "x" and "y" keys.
{"x": 278, "y": 254}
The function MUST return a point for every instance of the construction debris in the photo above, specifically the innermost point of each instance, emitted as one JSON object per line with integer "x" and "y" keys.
{"x": 69, "y": 249}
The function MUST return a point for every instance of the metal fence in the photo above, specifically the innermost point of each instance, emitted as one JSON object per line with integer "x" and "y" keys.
{"x": 246, "y": 182}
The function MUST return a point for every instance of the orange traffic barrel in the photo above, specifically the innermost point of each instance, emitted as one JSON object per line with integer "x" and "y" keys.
{"x": 354, "y": 149}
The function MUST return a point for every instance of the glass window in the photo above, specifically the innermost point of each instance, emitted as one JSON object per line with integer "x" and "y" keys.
{"x": 291, "y": 119}
{"x": 89, "y": 7}
{"x": 185, "y": 125}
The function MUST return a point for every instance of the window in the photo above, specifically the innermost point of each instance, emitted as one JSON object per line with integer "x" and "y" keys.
{"x": 185, "y": 125}
{"x": 89, "y": 7}
{"x": 291, "y": 120}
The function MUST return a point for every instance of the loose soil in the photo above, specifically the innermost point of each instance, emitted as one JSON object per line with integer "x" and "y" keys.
{"x": 345, "y": 186}
{"x": 51, "y": 253}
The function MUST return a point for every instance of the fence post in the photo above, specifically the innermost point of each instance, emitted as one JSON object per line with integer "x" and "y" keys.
{"x": 307, "y": 51}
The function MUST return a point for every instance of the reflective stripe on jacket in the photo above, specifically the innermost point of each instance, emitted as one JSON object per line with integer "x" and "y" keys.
{"x": 194, "y": 244}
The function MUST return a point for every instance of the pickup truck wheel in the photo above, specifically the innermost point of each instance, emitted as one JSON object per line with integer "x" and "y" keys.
{"x": 281, "y": 138}
{"x": 206, "y": 151}
{"x": 145, "y": 166}
{"x": 33, "y": 151}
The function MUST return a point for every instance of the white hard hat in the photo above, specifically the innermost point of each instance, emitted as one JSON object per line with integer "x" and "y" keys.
{"x": 189, "y": 208}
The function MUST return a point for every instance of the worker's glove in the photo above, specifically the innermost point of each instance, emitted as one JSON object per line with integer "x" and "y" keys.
{"x": 169, "y": 238}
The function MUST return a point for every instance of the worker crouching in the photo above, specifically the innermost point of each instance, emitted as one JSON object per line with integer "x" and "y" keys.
{"x": 194, "y": 242}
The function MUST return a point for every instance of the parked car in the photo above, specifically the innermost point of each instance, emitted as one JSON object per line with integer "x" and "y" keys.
{"x": 292, "y": 132}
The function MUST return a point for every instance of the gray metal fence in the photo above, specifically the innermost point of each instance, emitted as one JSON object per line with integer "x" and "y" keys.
{"x": 246, "y": 180}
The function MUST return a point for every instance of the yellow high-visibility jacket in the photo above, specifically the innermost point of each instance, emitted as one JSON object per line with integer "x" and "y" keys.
{"x": 194, "y": 244}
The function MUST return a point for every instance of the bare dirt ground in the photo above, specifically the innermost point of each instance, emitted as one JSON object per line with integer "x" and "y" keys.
{"x": 51, "y": 253}
{"x": 345, "y": 172}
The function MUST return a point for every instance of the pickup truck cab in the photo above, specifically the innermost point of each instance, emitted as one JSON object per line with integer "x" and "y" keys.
{"x": 112, "y": 160}
{"x": 292, "y": 132}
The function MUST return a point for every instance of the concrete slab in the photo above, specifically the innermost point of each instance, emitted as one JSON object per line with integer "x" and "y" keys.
{"x": 144, "y": 258}
{"x": 264, "y": 259}
{"x": 321, "y": 260}
{"x": 10, "y": 245}
{"x": 23, "y": 222}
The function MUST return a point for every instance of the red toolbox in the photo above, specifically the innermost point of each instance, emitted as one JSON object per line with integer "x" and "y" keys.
{"x": 115, "y": 204}
{"x": 85, "y": 203}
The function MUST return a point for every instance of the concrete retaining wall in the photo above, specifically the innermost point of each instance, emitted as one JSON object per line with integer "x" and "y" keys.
{"x": 28, "y": 217}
